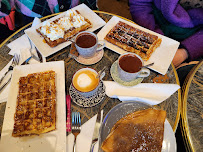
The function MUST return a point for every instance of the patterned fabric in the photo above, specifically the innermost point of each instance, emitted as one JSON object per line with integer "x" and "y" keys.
{"x": 16, "y": 13}
{"x": 37, "y": 8}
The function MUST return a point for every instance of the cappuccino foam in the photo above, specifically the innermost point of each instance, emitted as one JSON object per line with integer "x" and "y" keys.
{"x": 85, "y": 80}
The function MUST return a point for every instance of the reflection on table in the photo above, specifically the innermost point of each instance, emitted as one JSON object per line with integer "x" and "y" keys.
{"x": 192, "y": 112}
{"x": 171, "y": 105}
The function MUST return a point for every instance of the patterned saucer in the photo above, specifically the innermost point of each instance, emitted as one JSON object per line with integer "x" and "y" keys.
{"x": 87, "y": 101}
{"x": 116, "y": 78}
{"x": 96, "y": 58}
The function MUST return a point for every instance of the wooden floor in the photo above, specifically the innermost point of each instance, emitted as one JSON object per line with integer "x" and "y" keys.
{"x": 118, "y": 7}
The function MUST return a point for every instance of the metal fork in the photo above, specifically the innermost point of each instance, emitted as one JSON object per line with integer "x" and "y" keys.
{"x": 76, "y": 126}
{"x": 15, "y": 61}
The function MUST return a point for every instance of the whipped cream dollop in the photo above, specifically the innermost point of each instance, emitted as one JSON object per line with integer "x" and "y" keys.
{"x": 84, "y": 80}
{"x": 56, "y": 30}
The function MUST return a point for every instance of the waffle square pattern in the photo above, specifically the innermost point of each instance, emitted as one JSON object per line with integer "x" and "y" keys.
{"x": 36, "y": 104}
{"x": 133, "y": 40}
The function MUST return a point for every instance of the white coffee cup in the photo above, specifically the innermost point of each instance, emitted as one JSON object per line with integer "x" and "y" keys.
{"x": 85, "y": 81}
{"x": 87, "y": 44}
{"x": 129, "y": 67}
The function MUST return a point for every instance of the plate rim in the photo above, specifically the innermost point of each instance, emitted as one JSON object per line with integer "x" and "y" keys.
{"x": 131, "y": 102}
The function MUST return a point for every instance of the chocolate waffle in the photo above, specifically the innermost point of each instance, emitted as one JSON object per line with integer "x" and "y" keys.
{"x": 63, "y": 28}
{"x": 139, "y": 131}
{"x": 36, "y": 104}
{"x": 133, "y": 40}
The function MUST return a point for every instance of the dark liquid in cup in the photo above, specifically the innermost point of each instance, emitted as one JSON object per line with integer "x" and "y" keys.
{"x": 130, "y": 63}
{"x": 86, "y": 40}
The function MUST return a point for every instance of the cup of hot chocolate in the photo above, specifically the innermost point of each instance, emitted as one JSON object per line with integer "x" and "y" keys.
{"x": 130, "y": 67}
{"x": 87, "y": 44}
{"x": 85, "y": 81}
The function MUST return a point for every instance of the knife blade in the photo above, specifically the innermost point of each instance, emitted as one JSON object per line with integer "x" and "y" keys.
{"x": 39, "y": 55}
{"x": 96, "y": 130}
{"x": 26, "y": 61}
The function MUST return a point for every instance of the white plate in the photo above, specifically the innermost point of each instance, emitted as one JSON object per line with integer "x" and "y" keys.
{"x": 45, "y": 49}
{"x": 162, "y": 56}
{"x": 124, "y": 108}
{"x": 54, "y": 141}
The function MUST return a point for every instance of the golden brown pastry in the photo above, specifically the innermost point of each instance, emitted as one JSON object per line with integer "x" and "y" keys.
{"x": 36, "y": 105}
{"x": 141, "y": 131}
{"x": 133, "y": 40}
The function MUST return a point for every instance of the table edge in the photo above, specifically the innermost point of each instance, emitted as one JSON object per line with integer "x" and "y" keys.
{"x": 186, "y": 86}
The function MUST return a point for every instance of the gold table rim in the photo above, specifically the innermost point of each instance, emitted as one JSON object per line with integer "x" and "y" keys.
{"x": 186, "y": 86}
{"x": 96, "y": 11}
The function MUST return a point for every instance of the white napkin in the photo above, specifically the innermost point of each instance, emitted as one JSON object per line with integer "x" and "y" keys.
{"x": 20, "y": 46}
{"x": 84, "y": 139}
{"x": 151, "y": 93}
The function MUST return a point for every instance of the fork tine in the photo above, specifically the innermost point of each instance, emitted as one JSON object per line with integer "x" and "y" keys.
{"x": 79, "y": 119}
{"x": 73, "y": 117}
{"x": 76, "y": 118}
{"x": 18, "y": 58}
{"x": 15, "y": 59}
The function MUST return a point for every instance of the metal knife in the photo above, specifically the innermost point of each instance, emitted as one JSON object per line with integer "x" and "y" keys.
{"x": 39, "y": 55}
{"x": 96, "y": 130}
{"x": 26, "y": 61}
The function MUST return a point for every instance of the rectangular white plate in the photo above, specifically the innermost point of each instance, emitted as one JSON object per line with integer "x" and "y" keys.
{"x": 54, "y": 141}
{"x": 45, "y": 49}
{"x": 162, "y": 56}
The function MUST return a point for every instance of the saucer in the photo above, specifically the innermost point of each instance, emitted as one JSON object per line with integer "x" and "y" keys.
{"x": 87, "y": 101}
{"x": 116, "y": 78}
{"x": 96, "y": 58}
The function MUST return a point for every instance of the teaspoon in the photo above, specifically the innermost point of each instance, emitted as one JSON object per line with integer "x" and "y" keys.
{"x": 145, "y": 66}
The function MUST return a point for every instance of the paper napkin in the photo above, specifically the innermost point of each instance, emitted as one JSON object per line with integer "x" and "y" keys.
{"x": 151, "y": 93}
{"x": 84, "y": 139}
{"x": 20, "y": 46}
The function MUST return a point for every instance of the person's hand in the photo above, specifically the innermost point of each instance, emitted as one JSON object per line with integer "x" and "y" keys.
{"x": 180, "y": 56}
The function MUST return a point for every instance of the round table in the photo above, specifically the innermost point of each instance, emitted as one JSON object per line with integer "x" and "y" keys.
{"x": 192, "y": 111}
{"x": 172, "y": 105}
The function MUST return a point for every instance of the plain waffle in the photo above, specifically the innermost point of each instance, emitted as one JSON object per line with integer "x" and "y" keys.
{"x": 133, "y": 40}
{"x": 36, "y": 104}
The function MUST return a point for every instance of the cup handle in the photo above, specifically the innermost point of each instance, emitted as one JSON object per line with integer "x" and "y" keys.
{"x": 100, "y": 45}
{"x": 144, "y": 72}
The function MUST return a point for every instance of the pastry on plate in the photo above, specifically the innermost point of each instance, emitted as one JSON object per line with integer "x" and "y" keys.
{"x": 36, "y": 105}
{"x": 63, "y": 28}
{"x": 133, "y": 40}
{"x": 138, "y": 131}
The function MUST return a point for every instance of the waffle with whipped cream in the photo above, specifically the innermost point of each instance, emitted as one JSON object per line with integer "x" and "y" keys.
{"x": 36, "y": 105}
{"x": 63, "y": 28}
{"x": 133, "y": 40}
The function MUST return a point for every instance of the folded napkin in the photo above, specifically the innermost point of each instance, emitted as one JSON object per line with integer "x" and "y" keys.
{"x": 20, "y": 46}
{"x": 84, "y": 139}
{"x": 151, "y": 93}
